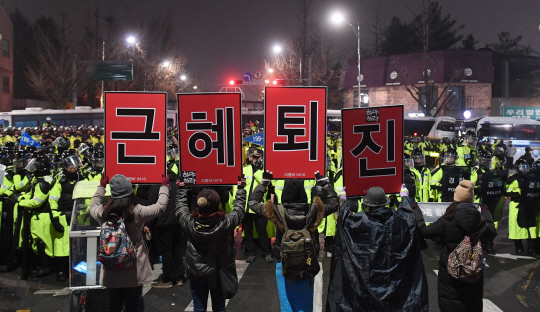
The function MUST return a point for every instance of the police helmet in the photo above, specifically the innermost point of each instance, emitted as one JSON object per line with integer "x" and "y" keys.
{"x": 85, "y": 149}
{"x": 408, "y": 161}
{"x": 418, "y": 157}
{"x": 173, "y": 151}
{"x": 9, "y": 145}
{"x": 98, "y": 160}
{"x": 20, "y": 160}
{"x": 70, "y": 161}
{"x": 522, "y": 167}
{"x": 450, "y": 156}
{"x": 40, "y": 162}
{"x": 484, "y": 159}
{"x": 61, "y": 142}
{"x": 99, "y": 147}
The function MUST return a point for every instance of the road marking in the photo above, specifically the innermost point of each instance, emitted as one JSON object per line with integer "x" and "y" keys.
{"x": 55, "y": 292}
{"x": 488, "y": 305}
{"x": 513, "y": 257}
{"x": 318, "y": 291}
{"x": 241, "y": 267}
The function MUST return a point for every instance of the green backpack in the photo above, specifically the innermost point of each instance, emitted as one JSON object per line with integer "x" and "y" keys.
{"x": 298, "y": 256}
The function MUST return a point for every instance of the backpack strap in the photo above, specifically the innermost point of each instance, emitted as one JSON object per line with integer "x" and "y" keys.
{"x": 281, "y": 210}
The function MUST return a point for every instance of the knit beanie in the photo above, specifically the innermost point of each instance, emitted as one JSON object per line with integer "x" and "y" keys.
{"x": 120, "y": 186}
{"x": 464, "y": 192}
{"x": 208, "y": 201}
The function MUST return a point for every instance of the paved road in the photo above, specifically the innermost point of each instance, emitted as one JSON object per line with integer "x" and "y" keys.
{"x": 511, "y": 284}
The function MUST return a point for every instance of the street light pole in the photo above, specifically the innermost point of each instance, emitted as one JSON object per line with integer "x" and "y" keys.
{"x": 359, "y": 76}
{"x": 102, "y": 82}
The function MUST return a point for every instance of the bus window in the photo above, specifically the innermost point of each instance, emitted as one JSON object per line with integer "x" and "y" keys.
{"x": 4, "y": 124}
{"x": 501, "y": 131}
{"x": 525, "y": 132}
{"x": 334, "y": 124}
{"x": 420, "y": 127}
{"x": 446, "y": 126}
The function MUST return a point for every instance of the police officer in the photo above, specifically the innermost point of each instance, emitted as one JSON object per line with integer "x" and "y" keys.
{"x": 446, "y": 178}
{"x": 467, "y": 151}
{"x": 61, "y": 202}
{"x": 423, "y": 177}
{"x": 98, "y": 163}
{"x": 173, "y": 154}
{"x": 498, "y": 160}
{"x": 409, "y": 176}
{"x": 47, "y": 123}
{"x": 489, "y": 190}
{"x": 522, "y": 197}
{"x": 253, "y": 172}
{"x": 38, "y": 209}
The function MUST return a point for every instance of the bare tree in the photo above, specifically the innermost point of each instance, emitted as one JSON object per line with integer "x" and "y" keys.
{"x": 377, "y": 27}
{"x": 51, "y": 72}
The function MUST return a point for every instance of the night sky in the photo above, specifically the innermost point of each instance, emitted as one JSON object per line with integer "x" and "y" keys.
{"x": 222, "y": 39}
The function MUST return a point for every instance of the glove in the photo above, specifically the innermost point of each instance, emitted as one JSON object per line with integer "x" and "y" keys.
{"x": 241, "y": 182}
{"x": 57, "y": 226}
{"x": 165, "y": 180}
{"x": 321, "y": 180}
{"x": 267, "y": 176}
{"x": 104, "y": 180}
{"x": 404, "y": 191}
{"x": 180, "y": 183}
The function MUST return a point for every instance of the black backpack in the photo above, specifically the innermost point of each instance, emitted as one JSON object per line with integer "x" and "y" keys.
{"x": 298, "y": 256}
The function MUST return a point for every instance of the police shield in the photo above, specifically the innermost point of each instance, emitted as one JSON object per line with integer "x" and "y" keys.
{"x": 529, "y": 204}
{"x": 492, "y": 192}
{"x": 451, "y": 177}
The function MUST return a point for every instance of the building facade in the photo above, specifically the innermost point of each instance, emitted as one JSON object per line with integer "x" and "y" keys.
{"x": 6, "y": 61}
{"x": 464, "y": 77}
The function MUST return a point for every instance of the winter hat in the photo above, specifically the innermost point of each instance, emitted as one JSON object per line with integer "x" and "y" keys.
{"x": 120, "y": 186}
{"x": 294, "y": 192}
{"x": 208, "y": 201}
{"x": 376, "y": 197}
{"x": 464, "y": 192}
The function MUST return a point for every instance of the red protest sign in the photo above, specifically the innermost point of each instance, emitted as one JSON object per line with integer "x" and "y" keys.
{"x": 372, "y": 149}
{"x": 295, "y": 131}
{"x": 210, "y": 138}
{"x": 135, "y": 135}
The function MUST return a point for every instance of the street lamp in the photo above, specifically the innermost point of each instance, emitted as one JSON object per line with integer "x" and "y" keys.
{"x": 166, "y": 64}
{"x": 338, "y": 18}
{"x": 270, "y": 70}
{"x": 130, "y": 40}
{"x": 194, "y": 87}
{"x": 183, "y": 77}
{"x": 277, "y": 49}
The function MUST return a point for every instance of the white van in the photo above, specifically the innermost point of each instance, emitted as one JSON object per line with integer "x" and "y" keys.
{"x": 521, "y": 131}
{"x": 431, "y": 127}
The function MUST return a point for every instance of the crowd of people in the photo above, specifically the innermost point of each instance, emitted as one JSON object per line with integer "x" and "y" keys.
{"x": 373, "y": 269}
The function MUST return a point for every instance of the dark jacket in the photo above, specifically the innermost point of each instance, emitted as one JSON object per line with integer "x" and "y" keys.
{"x": 209, "y": 250}
{"x": 455, "y": 295}
{"x": 528, "y": 158}
{"x": 377, "y": 264}
{"x": 168, "y": 217}
{"x": 297, "y": 216}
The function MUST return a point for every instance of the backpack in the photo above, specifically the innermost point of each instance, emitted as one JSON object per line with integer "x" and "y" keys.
{"x": 466, "y": 262}
{"x": 116, "y": 251}
{"x": 298, "y": 256}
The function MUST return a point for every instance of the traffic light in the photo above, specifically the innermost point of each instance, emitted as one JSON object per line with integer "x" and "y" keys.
{"x": 235, "y": 82}
{"x": 279, "y": 82}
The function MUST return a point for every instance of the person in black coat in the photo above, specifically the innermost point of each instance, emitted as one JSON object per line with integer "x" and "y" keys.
{"x": 210, "y": 263}
{"x": 528, "y": 156}
{"x": 170, "y": 238}
{"x": 461, "y": 218}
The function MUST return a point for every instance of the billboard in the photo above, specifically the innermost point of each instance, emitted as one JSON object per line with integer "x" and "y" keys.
{"x": 295, "y": 131}
{"x": 135, "y": 135}
{"x": 210, "y": 138}
{"x": 372, "y": 149}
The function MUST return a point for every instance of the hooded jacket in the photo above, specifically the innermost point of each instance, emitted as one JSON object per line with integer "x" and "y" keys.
{"x": 377, "y": 264}
{"x": 209, "y": 247}
{"x": 455, "y": 295}
{"x": 297, "y": 215}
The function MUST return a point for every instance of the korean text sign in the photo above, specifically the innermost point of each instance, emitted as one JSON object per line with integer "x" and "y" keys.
{"x": 210, "y": 138}
{"x": 135, "y": 135}
{"x": 372, "y": 149}
{"x": 295, "y": 131}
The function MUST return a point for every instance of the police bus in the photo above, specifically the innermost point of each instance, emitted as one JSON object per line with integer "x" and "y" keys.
{"x": 36, "y": 117}
{"x": 521, "y": 131}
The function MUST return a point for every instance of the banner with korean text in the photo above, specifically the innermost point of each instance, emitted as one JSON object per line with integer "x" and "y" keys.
{"x": 135, "y": 135}
{"x": 295, "y": 131}
{"x": 372, "y": 149}
{"x": 210, "y": 138}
